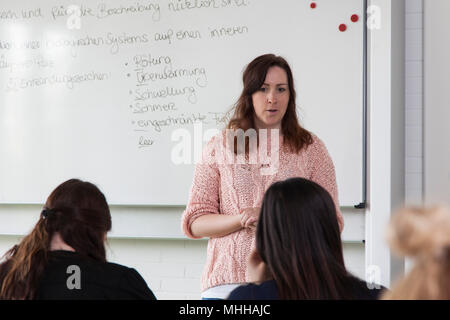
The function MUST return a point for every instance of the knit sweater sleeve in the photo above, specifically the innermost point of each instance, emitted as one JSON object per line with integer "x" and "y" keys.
{"x": 204, "y": 193}
{"x": 321, "y": 170}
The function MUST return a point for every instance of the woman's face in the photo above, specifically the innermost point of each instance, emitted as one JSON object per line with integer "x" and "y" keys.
{"x": 271, "y": 100}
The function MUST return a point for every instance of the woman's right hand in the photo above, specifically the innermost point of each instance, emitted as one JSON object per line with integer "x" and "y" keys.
{"x": 249, "y": 217}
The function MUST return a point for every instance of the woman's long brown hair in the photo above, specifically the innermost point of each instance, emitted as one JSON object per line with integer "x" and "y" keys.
{"x": 78, "y": 211}
{"x": 254, "y": 75}
{"x": 298, "y": 239}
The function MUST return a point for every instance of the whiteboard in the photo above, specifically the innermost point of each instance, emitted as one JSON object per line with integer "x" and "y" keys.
{"x": 96, "y": 91}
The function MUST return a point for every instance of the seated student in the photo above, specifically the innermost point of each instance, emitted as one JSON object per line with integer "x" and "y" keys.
{"x": 298, "y": 252}
{"x": 64, "y": 256}
{"x": 424, "y": 235}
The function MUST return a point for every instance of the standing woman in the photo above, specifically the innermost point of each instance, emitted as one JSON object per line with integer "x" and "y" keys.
{"x": 225, "y": 198}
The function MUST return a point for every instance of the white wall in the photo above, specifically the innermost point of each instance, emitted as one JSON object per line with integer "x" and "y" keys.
{"x": 386, "y": 148}
{"x": 436, "y": 183}
{"x": 414, "y": 98}
{"x": 170, "y": 263}
{"x": 413, "y": 105}
{"x": 172, "y": 268}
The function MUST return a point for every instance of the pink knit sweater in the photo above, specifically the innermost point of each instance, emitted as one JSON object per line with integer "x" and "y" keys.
{"x": 222, "y": 188}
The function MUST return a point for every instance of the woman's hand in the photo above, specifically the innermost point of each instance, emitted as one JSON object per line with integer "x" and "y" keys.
{"x": 249, "y": 217}
{"x": 256, "y": 268}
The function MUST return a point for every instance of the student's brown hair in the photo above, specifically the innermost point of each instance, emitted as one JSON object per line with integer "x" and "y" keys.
{"x": 253, "y": 78}
{"x": 78, "y": 211}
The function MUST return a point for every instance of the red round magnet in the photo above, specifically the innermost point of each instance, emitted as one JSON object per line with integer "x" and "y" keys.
{"x": 342, "y": 27}
{"x": 354, "y": 18}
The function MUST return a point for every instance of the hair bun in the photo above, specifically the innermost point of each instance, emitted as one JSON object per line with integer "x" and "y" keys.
{"x": 420, "y": 231}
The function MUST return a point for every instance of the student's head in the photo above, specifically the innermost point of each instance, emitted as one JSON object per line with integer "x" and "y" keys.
{"x": 423, "y": 234}
{"x": 268, "y": 84}
{"x": 298, "y": 239}
{"x": 79, "y": 213}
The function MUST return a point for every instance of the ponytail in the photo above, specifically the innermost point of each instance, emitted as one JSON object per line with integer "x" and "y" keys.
{"x": 24, "y": 264}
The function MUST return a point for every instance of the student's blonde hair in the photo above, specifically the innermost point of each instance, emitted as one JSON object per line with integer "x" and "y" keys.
{"x": 424, "y": 235}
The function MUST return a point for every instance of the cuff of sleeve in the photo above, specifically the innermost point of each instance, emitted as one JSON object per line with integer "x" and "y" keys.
{"x": 188, "y": 219}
